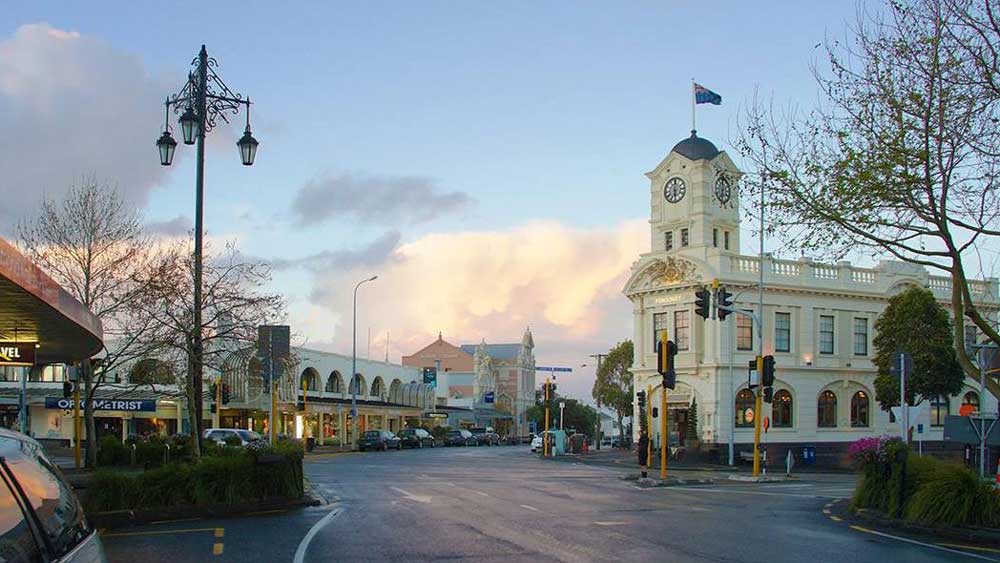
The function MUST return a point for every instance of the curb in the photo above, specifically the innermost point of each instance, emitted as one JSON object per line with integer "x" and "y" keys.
{"x": 123, "y": 518}
{"x": 985, "y": 536}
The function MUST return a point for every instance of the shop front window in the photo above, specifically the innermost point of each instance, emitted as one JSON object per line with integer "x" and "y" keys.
{"x": 826, "y": 410}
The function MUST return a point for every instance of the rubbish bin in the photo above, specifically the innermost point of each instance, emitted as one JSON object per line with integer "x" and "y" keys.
{"x": 809, "y": 455}
{"x": 310, "y": 443}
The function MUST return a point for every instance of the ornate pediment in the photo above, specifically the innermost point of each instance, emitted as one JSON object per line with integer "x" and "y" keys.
{"x": 663, "y": 272}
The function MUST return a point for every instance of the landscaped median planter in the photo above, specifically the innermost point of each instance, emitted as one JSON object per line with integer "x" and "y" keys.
{"x": 232, "y": 481}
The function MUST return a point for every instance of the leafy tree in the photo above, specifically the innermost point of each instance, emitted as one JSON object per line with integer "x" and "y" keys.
{"x": 91, "y": 243}
{"x": 902, "y": 153}
{"x": 915, "y": 323}
{"x": 578, "y": 416}
{"x": 613, "y": 386}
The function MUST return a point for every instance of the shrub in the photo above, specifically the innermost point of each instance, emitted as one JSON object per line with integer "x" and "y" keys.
{"x": 111, "y": 451}
{"x": 952, "y": 495}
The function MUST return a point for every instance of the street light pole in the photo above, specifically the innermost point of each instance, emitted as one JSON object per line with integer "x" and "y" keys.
{"x": 354, "y": 367}
{"x": 732, "y": 383}
{"x": 205, "y": 98}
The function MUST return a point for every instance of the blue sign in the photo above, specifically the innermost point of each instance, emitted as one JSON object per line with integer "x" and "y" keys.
{"x": 131, "y": 405}
{"x": 553, "y": 369}
{"x": 534, "y": 427}
{"x": 489, "y": 397}
{"x": 430, "y": 376}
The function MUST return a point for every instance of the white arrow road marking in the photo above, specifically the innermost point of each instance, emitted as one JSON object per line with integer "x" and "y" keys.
{"x": 411, "y": 496}
{"x": 480, "y": 493}
{"x": 532, "y": 508}
{"x": 300, "y": 553}
{"x": 611, "y": 523}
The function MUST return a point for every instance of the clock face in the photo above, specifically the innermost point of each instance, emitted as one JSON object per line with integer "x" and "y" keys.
{"x": 723, "y": 189}
{"x": 674, "y": 190}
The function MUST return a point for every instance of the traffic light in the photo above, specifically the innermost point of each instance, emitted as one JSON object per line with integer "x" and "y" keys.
{"x": 768, "y": 394}
{"x": 767, "y": 378}
{"x": 656, "y": 412}
{"x": 702, "y": 303}
{"x": 640, "y": 398}
{"x": 723, "y": 299}
{"x": 212, "y": 408}
{"x": 751, "y": 380}
{"x": 665, "y": 352}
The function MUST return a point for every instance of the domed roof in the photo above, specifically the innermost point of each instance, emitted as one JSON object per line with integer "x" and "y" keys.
{"x": 696, "y": 148}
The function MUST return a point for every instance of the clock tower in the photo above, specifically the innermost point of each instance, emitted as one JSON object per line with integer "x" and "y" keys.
{"x": 694, "y": 200}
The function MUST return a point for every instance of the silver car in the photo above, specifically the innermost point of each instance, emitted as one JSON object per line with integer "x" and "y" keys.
{"x": 40, "y": 517}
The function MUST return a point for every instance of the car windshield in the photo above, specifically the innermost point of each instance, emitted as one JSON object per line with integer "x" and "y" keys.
{"x": 372, "y": 434}
{"x": 248, "y": 435}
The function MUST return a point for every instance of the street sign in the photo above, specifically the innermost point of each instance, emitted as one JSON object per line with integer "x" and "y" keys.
{"x": 489, "y": 397}
{"x": 915, "y": 413}
{"x": 554, "y": 369}
{"x": 435, "y": 415}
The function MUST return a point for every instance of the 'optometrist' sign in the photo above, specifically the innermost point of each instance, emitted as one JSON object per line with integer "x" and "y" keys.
{"x": 17, "y": 354}
{"x": 132, "y": 405}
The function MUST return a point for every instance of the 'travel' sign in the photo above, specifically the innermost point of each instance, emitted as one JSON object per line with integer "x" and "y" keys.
{"x": 17, "y": 354}
{"x": 131, "y": 405}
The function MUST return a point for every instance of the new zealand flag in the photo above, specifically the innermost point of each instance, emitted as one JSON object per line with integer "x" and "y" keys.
{"x": 703, "y": 95}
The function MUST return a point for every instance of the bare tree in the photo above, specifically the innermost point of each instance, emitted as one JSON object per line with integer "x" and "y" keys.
{"x": 92, "y": 244}
{"x": 234, "y": 304}
{"x": 901, "y": 154}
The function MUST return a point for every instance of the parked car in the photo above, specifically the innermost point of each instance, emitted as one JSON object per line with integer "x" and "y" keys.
{"x": 485, "y": 436}
{"x": 461, "y": 438}
{"x": 416, "y": 438}
{"x": 40, "y": 512}
{"x": 222, "y": 436}
{"x": 379, "y": 440}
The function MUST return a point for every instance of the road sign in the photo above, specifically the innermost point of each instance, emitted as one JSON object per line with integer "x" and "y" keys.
{"x": 554, "y": 369}
{"x": 489, "y": 397}
{"x": 748, "y": 416}
{"x": 915, "y": 412}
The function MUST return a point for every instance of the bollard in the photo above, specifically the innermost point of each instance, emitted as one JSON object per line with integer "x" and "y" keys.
{"x": 789, "y": 461}
{"x": 166, "y": 454}
{"x": 133, "y": 454}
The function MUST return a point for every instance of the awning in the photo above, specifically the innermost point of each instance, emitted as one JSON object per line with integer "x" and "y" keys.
{"x": 34, "y": 308}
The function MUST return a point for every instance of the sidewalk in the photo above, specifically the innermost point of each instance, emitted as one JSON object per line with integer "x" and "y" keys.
{"x": 626, "y": 459}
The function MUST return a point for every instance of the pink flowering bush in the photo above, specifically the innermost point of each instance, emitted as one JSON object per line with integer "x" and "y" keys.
{"x": 867, "y": 451}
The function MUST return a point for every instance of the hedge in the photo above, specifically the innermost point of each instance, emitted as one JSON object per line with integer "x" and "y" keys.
{"x": 925, "y": 490}
{"x": 239, "y": 476}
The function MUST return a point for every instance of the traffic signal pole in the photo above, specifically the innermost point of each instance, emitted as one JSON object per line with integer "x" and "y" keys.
{"x": 649, "y": 418}
{"x": 664, "y": 439}
{"x": 545, "y": 431}
{"x": 758, "y": 406}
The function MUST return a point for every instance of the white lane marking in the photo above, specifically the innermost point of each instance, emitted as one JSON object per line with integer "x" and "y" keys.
{"x": 529, "y": 507}
{"x": 300, "y": 552}
{"x": 611, "y": 523}
{"x": 480, "y": 493}
{"x": 915, "y": 542}
{"x": 450, "y": 484}
{"x": 411, "y": 496}
{"x": 700, "y": 490}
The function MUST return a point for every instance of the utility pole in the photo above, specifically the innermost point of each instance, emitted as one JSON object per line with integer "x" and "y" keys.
{"x": 545, "y": 431}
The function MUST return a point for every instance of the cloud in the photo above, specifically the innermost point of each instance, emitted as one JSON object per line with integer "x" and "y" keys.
{"x": 72, "y": 106}
{"x": 382, "y": 199}
{"x": 176, "y": 227}
{"x": 565, "y": 283}
{"x": 375, "y": 253}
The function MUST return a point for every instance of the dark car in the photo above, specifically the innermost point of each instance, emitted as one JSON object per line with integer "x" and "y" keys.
{"x": 416, "y": 438}
{"x": 41, "y": 518}
{"x": 485, "y": 436}
{"x": 460, "y": 438}
{"x": 379, "y": 440}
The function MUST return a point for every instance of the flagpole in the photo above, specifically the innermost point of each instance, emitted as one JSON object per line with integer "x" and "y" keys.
{"x": 693, "y": 128}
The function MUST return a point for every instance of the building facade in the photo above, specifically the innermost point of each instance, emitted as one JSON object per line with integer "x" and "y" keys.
{"x": 818, "y": 322}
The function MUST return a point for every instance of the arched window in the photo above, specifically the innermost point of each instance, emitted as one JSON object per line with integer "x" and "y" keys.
{"x": 826, "y": 410}
{"x": 308, "y": 379}
{"x": 745, "y": 402}
{"x": 335, "y": 383}
{"x": 358, "y": 384}
{"x": 781, "y": 409}
{"x": 378, "y": 387}
{"x": 859, "y": 410}
{"x": 971, "y": 398}
{"x": 939, "y": 410}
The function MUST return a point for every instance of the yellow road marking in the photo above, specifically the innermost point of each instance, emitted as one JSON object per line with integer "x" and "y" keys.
{"x": 973, "y": 547}
{"x": 219, "y": 532}
{"x": 861, "y": 529}
{"x": 159, "y": 532}
{"x": 836, "y": 518}
{"x": 217, "y": 548}
{"x": 172, "y": 521}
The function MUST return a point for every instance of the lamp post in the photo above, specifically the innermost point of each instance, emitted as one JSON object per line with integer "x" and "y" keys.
{"x": 732, "y": 382}
{"x": 354, "y": 367}
{"x": 205, "y": 99}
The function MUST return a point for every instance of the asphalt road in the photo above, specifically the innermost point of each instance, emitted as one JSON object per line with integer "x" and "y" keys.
{"x": 505, "y": 504}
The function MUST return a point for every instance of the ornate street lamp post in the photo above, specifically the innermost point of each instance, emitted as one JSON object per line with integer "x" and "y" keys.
{"x": 204, "y": 99}
{"x": 355, "y": 381}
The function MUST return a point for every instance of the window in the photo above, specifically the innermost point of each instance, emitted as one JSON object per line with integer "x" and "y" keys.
{"x": 782, "y": 332}
{"x": 745, "y": 402}
{"x": 715, "y": 238}
{"x": 16, "y": 539}
{"x": 781, "y": 409}
{"x": 668, "y": 238}
{"x": 860, "y": 337}
{"x": 826, "y": 334}
{"x": 682, "y": 330}
{"x": 744, "y": 332}
{"x": 659, "y": 325}
{"x": 939, "y": 410}
{"x": 684, "y": 237}
{"x": 335, "y": 384}
{"x": 308, "y": 380}
{"x": 826, "y": 410}
{"x": 725, "y": 240}
{"x": 859, "y": 410}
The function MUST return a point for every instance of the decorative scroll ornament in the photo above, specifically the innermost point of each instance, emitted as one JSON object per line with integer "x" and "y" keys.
{"x": 668, "y": 271}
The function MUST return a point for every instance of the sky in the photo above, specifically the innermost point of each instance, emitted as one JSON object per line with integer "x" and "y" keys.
{"x": 485, "y": 160}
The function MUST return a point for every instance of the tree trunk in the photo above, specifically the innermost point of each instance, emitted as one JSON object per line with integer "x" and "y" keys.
{"x": 87, "y": 373}
{"x": 621, "y": 431}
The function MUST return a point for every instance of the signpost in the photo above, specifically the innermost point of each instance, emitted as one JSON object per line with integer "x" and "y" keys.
{"x": 902, "y": 364}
